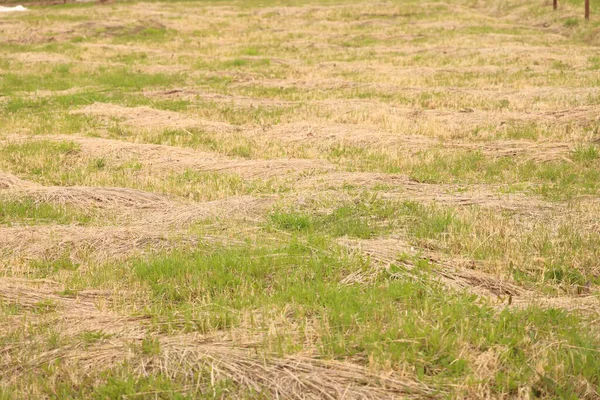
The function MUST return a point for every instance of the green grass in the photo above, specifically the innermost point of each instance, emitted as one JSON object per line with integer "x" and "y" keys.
{"x": 552, "y": 180}
{"x": 132, "y": 80}
{"x": 368, "y": 217}
{"x": 28, "y": 83}
{"x": 150, "y": 34}
{"x": 522, "y": 131}
{"x": 61, "y": 77}
{"x": 122, "y": 382}
{"x": 30, "y": 212}
{"x": 92, "y": 337}
{"x": 246, "y": 62}
{"x": 237, "y": 146}
{"x": 396, "y": 321}
{"x": 37, "y": 158}
{"x": 47, "y": 267}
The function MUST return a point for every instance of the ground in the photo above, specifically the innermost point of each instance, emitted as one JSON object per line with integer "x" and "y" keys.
{"x": 300, "y": 199}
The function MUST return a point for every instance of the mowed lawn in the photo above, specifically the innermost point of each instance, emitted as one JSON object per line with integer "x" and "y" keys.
{"x": 300, "y": 199}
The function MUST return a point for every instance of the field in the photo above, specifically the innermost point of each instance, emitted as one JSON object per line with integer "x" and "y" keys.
{"x": 300, "y": 199}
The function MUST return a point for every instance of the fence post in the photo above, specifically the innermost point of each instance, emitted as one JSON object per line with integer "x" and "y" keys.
{"x": 587, "y": 9}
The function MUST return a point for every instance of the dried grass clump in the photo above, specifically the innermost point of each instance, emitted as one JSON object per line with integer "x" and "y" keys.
{"x": 98, "y": 243}
{"x": 386, "y": 251}
{"x": 150, "y": 118}
{"x": 181, "y": 356}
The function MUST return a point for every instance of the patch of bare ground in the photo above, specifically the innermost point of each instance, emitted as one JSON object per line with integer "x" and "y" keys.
{"x": 170, "y": 158}
{"x": 401, "y": 187}
{"x": 299, "y": 376}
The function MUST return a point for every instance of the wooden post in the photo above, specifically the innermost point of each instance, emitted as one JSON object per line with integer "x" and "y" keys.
{"x": 555, "y": 4}
{"x": 587, "y": 9}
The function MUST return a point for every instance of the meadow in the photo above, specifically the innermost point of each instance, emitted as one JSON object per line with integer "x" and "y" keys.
{"x": 300, "y": 199}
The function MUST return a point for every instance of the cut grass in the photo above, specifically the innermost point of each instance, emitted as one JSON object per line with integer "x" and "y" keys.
{"x": 59, "y": 163}
{"x": 552, "y": 180}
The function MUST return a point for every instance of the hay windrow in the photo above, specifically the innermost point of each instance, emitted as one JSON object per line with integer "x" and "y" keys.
{"x": 9, "y": 181}
{"x": 459, "y": 274}
{"x": 149, "y": 118}
{"x": 115, "y": 198}
{"x": 324, "y": 135}
{"x": 386, "y": 252}
{"x": 79, "y": 243}
{"x": 397, "y": 187}
{"x": 170, "y": 158}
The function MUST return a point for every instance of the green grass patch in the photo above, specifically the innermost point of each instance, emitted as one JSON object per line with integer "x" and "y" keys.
{"x": 27, "y": 211}
{"x": 135, "y": 80}
{"x": 46, "y": 267}
{"x": 396, "y": 321}
{"x": 38, "y": 159}
{"x": 553, "y": 180}
{"x": 150, "y": 34}
{"x": 246, "y": 62}
{"x": 369, "y": 217}
{"x": 235, "y": 146}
